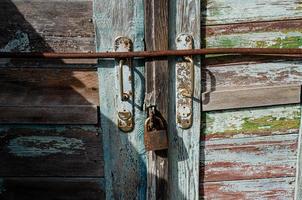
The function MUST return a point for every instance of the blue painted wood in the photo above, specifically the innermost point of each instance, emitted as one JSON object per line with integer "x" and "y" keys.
{"x": 184, "y": 17}
{"x": 125, "y": 158}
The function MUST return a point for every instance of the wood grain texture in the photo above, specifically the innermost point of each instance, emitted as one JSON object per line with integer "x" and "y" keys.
{"x": 63, "y": 26}
{"x": 125, "y": 158}
{"x": 184, "y": 17}
{"x": 298, "y": 191}
{"x": 251, "y": 122}
{"x": 69, "y": 151}
{"x": 250, "y": 158}
{"x": 274, "y": 188}
{"x": 48, "y": 87}
{"x": 224, "y": 75}
{"x": 234, "y": 11}
{"x": 48, "y": 96}
{"x": 251, "y": 97}
{"x": 157, "y": 81}
{"x": 49, "y": 114}
{"x": 52, "y": 188}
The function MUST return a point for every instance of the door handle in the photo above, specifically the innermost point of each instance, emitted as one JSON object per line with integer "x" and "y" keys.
{"x": 125, "y": 118}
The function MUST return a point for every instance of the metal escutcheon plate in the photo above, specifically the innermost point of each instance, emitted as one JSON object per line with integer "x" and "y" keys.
{"x": 184, "y": 83}
{"x": 124, "y": 82}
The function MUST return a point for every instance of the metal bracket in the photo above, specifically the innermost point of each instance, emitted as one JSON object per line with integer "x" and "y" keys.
{"x": 124, "y": 74}
{"x": 184, "y": 83}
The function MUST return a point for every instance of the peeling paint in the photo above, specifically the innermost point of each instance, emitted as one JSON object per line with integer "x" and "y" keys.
{"x": 238, "y": 122}
{"x": 32, "y": 146}
{"x": 20, "y": 42}
{"x": 231, "y": 11}
{"x": 276, "y": 39}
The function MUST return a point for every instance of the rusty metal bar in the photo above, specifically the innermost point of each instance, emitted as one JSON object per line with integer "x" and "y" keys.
{"x": 153, "y": 54}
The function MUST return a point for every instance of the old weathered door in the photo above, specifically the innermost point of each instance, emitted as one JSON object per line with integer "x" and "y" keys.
{"x": 130, "y": 171}
{"x": 232, "y": 121}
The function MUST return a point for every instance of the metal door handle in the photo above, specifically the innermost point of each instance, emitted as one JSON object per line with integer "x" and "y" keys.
{"x": 124, "y": 96}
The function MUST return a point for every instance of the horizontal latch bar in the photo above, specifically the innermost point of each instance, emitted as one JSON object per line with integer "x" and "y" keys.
{"x": 152, "y": 54}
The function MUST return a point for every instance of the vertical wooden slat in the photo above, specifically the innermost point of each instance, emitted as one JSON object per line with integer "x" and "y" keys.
{"x": 298, "y": 188}
{"x": 184, "y": 17}
{"x": 124, "y": 153}
{"x": 156, "y": 38}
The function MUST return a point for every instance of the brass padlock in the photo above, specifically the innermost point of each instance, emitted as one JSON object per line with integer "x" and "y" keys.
{"x": 156, "y": 136}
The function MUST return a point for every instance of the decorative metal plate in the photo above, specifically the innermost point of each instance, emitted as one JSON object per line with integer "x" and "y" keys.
{"x": 184, "y": 83}
{"x": 124, "y": 82}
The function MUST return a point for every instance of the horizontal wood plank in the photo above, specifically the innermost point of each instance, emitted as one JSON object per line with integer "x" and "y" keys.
{"x": 249, "y": 158}
{"x": 70, "y": 151}
{"x": 48, "y": 96}
{"x": 251, "y": 97}
{"x": 280, "y": 34}
{"x": 252, "y": 122}
{"x": 238, "y": 11}
{"x": 48, "y": 87}
{"x": 63, "y": 26}
{"x": 275, "y": 188}
{"x": 52, "y": 188}
{"x": 48, "y": 114}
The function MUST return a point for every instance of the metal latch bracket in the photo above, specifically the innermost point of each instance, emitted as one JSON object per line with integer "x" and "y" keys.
{"x": 184, "y": 82}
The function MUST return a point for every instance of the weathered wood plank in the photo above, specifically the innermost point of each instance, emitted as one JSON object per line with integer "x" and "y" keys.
{"x": 157, "y": 81}
{"x": 125, "y": 157}
{"x": 281, "y": 34}
{"x": 48, "y": 96}
{"x": 86, "y": 114}
{"x": 63, "y": 26}
{"x": 249, "y": 158}
{"x": 251, "y": 97}
{"x": 277, "y": 120}
{"x": 47, "y": 87}
{"x": 52, "y": 188}
{"x": 51, "y": 151}
{"x": 234, "y": 11}
{"x": 298, "y": 190}
{"x": 184, "y": 17}
{"x": 275, "y": 188}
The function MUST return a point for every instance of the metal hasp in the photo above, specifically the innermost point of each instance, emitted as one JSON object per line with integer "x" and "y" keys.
{"x": 184, "y": 83}
{"x": 124, "y": 74}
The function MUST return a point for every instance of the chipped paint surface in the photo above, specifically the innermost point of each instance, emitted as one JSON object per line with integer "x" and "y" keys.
{"x": 230, "y": 11}
{"x": 240, "y": 123}
{"x": 257, "y": 40}
{"x": 250, "y": 158}
{"x": 277, "y": 72}
{"x": 276, "y": 188}
{"x": 32, "y": 146}
{"x": 20, "y": 42}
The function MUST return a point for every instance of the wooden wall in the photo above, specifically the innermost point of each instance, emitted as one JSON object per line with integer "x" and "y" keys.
{"x": 250, "y": 153}
{"x": 50, "y": 145}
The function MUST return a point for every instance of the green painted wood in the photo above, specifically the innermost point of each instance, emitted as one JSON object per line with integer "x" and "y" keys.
{"x": 253, "y": 122}
{"x": 184, "y": 17}
{"x": 125, "y": 159}
{"x": 237, "y": 11}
